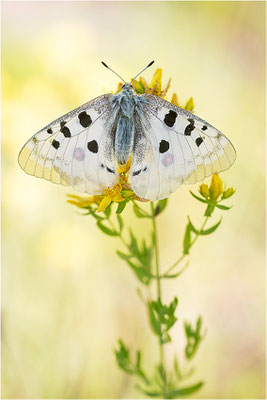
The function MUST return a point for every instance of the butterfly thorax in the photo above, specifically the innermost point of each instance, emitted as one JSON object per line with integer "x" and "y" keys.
{"x": 124, "y": 135}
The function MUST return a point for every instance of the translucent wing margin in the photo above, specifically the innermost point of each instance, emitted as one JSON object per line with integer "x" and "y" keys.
{"x": 175, "y": 147}
{"x": 75, "y": 150}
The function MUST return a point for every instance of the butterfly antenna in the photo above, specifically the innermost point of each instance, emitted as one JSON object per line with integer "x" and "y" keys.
{"x": 105, "y": 65}
{"x": 152, "y": 62}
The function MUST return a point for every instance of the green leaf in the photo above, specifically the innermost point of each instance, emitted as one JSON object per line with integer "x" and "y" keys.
{"x": 139, "y": 212}
{"x": 107, "y": 210}
{"x": 221, "y": 207}
{"x": 94, "y": 215}
{"x": 155, "y": 324}
{"x": 106, "y": 230}
{"x": 120, "y": 221}
{"x": 162, "y": 318}
{"x": 142, "y": 274}
{"x": 187, "y": 238}
{"x": 192, "y": 228}
{"x": 139, "y": 259}
{"x": 177, "y": 369}
{"x": 161, "y": 205}
{"x": 198, "y": 198}
{"x": 193, "y": 336}
{"x": 148, "y": 393}
{"x": 121, "y": 207}
{"x": 184, "y": 391}
{"x": 211, "y": 229}
{"x": 133, "y": 245}
{"x": 123, "y": 357}
{"x": 165, "y": 338}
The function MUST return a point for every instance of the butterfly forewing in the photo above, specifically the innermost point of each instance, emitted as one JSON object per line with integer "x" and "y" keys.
{"x": 75, "y": 149}
{"x": 185, "y": 148}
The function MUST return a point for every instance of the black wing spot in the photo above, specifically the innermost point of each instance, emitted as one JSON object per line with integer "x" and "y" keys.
{"x": 62, "y": 123}
{"x": 92, "y": 146}
{"x": 85, "y": 119}
{"x": 189, "y": 128}
{"x": 164, "y": 146}
{"x": 110, "y": 170}
{"x": 199, "y": 140}
{"x": 204, "y": 127}
{"x": 49, "y": 130}
{"x": 66, "y": 132}
{"x": 137, "y": 172}
{"x": 55, "y": 144}
{"x": 170, "y": 118}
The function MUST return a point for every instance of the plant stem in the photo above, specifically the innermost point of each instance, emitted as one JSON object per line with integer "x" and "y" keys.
{"x": 161, "y": 352}
{"x": 184, "y": 255}
{"x": 156, "y": 249}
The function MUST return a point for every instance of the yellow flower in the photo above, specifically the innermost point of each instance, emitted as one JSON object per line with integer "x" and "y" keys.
{"x": 228, "y": 193}
{"x": 216, "y": 187}
{"x": 118, "y": 193}
{"x": 110, "y": 195}
{"x": 83, "y": 202}
{"x": 204, "y": 190}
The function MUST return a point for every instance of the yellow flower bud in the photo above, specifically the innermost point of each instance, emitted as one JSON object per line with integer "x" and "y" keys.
{"x": 174, "y": 99}
{"x": 228, "y": 193}
{"x": 156, "y": 80}
{"x": 204, "y": 190}
{"x": 216, "y": 187}
{"x": 189, "y": 105}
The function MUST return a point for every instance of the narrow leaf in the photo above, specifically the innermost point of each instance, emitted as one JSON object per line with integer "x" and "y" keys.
{"x": 161, "y": 205}
{"x": 211, "y": 229}
{"x": 139, "y": 212}
{"x": 120, "y": 221}
{"x": 192, "y": 227}
{"x": 185, "y": 391}
{"x": 106, "y": 230}
{"x": 107, "y": 210}
{"x": 121, "y": 207}
{"x": 187, "y": 239}
{"x": 198, "y": 198}
{"x": 221, "y": 207}
{"x": 153, "y": 320}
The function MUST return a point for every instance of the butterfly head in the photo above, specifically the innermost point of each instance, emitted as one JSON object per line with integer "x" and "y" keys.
{"x": 127, "y": 88}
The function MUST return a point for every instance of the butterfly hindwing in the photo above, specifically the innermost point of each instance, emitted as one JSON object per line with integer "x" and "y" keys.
{"x": 177, "y": 147}
{"x": 74, "y": 150}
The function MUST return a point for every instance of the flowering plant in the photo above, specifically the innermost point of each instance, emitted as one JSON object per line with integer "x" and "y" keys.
{"x": 142, "y": 256}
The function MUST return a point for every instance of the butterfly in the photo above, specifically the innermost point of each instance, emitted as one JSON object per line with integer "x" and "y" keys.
{"x": 167, "y": 145}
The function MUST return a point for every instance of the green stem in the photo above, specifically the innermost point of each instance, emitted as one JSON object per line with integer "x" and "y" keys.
{"x": 161, "y": 352}
{"x": 156, "y": 250}
{"x": 184, "y": 255}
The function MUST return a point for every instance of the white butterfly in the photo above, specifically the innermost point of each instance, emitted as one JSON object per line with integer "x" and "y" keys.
{"x": 169, "y": 146}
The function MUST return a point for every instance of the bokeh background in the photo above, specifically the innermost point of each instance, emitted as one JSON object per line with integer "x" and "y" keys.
{"x": 66, "y": 296}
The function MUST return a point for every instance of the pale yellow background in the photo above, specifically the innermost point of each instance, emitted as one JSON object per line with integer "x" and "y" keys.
{"x": 66, "y": 296}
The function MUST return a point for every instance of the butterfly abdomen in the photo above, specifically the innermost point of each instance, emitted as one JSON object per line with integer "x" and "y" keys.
{"x": 124, "y": 139}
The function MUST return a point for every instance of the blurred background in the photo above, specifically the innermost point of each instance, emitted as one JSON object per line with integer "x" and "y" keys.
{"x": 66, "y": 296}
